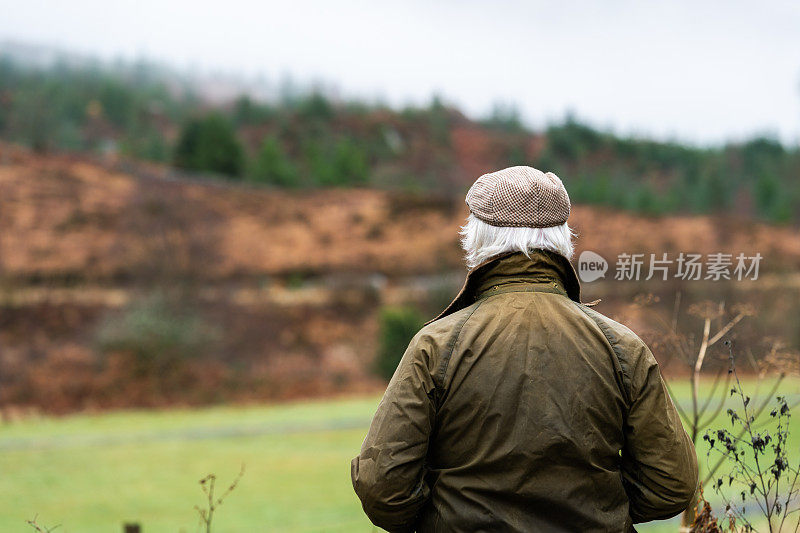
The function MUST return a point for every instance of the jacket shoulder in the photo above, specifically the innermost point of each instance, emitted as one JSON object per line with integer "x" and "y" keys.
{"x": 620, "y": 333}
{"x": 439, "y": 338}
{"x": 442, "y": 326}
{"x": 631, "y": 351}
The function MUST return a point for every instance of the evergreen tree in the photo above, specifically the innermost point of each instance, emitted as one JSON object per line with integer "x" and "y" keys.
{"x": 272, "y": 166}
{"x": 209, "y": 144}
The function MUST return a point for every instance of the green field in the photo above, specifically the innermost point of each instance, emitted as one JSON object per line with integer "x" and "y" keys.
{"x": 91, "y": 473}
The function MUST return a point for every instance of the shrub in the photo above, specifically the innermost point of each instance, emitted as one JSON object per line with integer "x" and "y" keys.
{"x": 272, "y": 166}
{"x": 761, "y": 471}
{"x": 33, "y": 121}
{"x": 246, "y": 111}
{"x": 439, "y": 122}
{"x": 397, "y": 327}
{"x": 209, "y": 144}
{"x": 314, "y": 107}
{"x": 350, "y": 163}
{"x": 117, "y": 101}
{"x": 339, "y": 165}
{"x": 146, "y": 143}
{"x": 156, "y": 333}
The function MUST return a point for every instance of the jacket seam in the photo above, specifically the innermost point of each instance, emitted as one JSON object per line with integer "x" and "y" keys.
{"x": 443, "y": 365}
{"x": 504, "y": 288}
{"x": 613, "y": 341}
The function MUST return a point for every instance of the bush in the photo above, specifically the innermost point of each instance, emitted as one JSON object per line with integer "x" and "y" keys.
{"x": 273, "y": 167}
{"x": 33, "y": 120}
{"x": 439, "y": 122}
{"x": 758, "y": 461}
{"x": 350, "y": 163}
{"x": 340, "y": 165}
{"x": 209, "y": 144}
{"x": 246, "y": 111}
{"x": 398, "y": 325}
{"x": 156, "y": 333}
{"x": 314, "y": 107}
{"x": 146, "y": 143}
{"x": 117, "y": 101}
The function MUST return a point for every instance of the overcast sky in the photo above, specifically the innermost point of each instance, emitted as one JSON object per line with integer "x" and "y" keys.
{"x": 696, "y": 71}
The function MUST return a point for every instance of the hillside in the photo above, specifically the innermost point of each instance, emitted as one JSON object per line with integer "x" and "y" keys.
{"x": 310, "y": 140}
{"x": 70, "y": 218}
{"x": 140, "y": 287}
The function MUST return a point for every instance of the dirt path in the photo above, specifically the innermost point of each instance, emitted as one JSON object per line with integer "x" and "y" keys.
{"x": 321, "y": 292}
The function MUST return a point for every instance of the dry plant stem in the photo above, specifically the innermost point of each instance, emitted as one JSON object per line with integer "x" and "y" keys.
{"x": 702, "y": 424}
{"x": 675, "y": 309}
{"x": 749, "y": 429}
{"x": 792, "y": 491}
{"x": 208, "y": 484}
{"x": 698, "y": 420}
{"x": 696, "y": 425}
{"x": 698, "y": 365}
{"x": 773, "y": 506}
{"x": 704, "y": 411}
{"x": 758, "y": 412}
{"x": 41, "y": 529}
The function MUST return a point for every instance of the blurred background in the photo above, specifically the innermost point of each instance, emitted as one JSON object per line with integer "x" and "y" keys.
{"x": 220, "y": 224}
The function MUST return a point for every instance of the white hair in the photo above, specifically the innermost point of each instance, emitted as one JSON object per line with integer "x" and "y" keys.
{"x": 482, "y": 241}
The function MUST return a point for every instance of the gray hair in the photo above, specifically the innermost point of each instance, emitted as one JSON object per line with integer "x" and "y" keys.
{"x": 482, "y": 241}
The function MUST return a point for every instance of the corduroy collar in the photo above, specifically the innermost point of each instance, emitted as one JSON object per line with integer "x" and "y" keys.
{"x": 515, "y": 267}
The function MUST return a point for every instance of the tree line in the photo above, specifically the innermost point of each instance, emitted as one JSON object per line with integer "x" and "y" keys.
{"x": 310, "y": 140}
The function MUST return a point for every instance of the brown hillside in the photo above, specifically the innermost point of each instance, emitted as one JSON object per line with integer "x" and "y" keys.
{"x": 69, "y": 218}
{"x": 283, "y": 283}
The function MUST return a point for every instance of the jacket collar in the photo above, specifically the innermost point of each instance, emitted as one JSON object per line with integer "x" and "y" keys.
{"x": 515, "y": 267}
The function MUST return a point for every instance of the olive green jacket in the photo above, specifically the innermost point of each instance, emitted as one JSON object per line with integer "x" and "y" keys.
{"x": 520, "y": 409}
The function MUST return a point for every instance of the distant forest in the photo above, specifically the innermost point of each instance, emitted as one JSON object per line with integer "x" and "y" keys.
{"x": 309, "y": 139}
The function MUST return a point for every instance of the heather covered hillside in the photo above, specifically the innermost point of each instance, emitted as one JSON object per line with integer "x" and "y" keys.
{"x": 130, "y": 284}
{"x": 71, "y": 218}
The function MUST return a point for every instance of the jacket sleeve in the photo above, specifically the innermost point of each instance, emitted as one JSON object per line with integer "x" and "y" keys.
{"x": 659, "y": 465}
{"x": 389, "y": 474}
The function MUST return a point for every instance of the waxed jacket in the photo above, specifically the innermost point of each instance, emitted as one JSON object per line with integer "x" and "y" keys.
{"x": 520, "y": 409}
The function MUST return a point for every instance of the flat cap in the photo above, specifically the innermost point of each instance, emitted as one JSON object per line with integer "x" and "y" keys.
{"x": 521, "y": 197}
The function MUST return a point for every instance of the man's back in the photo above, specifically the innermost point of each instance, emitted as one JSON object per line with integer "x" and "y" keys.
{"x": 532, "y": 421}
{"x": 525, "y": 411}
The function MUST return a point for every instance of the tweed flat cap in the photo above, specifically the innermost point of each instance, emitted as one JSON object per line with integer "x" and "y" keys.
{"x": 521, "y": 197}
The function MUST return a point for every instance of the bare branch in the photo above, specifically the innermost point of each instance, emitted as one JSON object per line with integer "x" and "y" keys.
{"x": 721, "y": 333}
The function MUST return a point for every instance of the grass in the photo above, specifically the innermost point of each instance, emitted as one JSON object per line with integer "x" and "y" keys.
{"x": 91, "y": 473}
